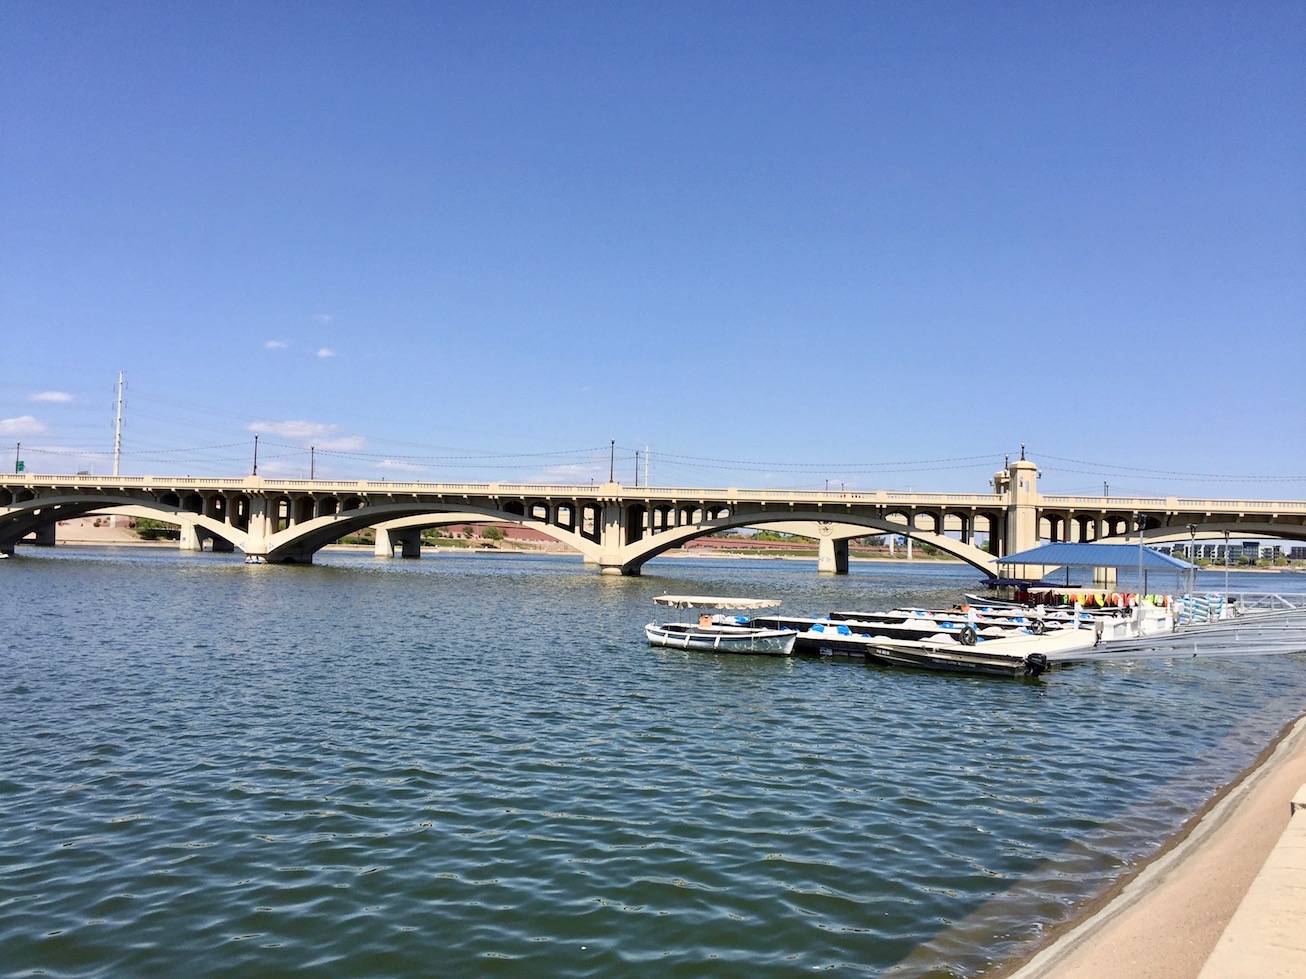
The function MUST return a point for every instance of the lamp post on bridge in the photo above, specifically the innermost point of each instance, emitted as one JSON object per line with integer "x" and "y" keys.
{"x": 255, "y": 472}
{"x": 1192, "y": 558}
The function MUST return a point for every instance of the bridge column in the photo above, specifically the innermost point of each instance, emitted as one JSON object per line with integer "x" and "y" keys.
{"x": 832, "y": 555}
{"x": 260, "y": 526}
{"x": 1104, "y": 578}
{"x": 44, "y": 536}
{"x": 408, "y": 539}
{"x": 190, "y": 539}
{"x": 611, "y": 540}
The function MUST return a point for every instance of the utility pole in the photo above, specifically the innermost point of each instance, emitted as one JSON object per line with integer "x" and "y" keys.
{"x": 255, "y": 473}
{"x": 18, "y": 460}
{"x": 117, "y": 428}
{"x": 312, "y": 461}
{"x": 637, "y": 469}
{"x": 612, "y": 462}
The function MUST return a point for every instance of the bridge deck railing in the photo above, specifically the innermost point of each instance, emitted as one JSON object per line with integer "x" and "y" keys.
{"x": 661, "y": 493}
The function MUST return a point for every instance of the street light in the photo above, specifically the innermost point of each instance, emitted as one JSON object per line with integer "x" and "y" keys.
{"x": 1192, "y": 558}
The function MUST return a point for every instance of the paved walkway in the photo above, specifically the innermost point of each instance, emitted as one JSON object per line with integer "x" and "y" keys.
{"x": 1168, "y": 921}
{"x": 1267, "y": 936}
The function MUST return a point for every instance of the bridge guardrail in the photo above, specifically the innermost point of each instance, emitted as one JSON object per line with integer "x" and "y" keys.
{"x": 660, "y": 493}
{"x": 1166, "y": 503}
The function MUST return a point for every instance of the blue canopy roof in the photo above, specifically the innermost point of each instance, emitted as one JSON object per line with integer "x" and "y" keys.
{"x": 1095, "y": 556}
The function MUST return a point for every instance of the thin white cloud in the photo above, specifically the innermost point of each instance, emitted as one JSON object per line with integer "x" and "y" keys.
{"x": 323, "y": 317}
{"x": 292, "y": 429}
{"x": 277, "y": 344}
{"x": 293, "y": 469}
{"x": 405, "y": 467}
{"x": 55, "y": 396}
{"x": 571, "y": 470}
{"x": 316, "y": 434}
{"x": 345, "y": 443}
{"x": 26, "y": 425}
{"x": 326, "y": 352}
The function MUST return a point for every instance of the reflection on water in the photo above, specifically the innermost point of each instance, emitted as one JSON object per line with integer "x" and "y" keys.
{"x": 473, "y": 764}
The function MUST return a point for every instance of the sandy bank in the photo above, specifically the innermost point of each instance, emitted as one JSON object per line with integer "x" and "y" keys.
{"x": 1163, "y": 922}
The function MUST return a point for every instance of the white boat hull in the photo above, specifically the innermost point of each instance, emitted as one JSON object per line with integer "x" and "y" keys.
{"x": 1025, "y": 655}
{"x": 722, "y": 638}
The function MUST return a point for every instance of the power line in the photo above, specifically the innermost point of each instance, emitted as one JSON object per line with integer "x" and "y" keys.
{"x": 823, "y": 466}
{"x": 1104, "y": 469}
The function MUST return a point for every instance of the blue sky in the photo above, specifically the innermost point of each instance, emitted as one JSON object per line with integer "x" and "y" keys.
{"x": 779, "y": 244}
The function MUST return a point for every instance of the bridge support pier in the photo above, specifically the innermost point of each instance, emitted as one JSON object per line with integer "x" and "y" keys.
{"x": 610, "y": 539}
{"x": 409, "y": 541}
{"x": 1104, "y": 578}
{"x": 190, "y": 540}
{"x": 257, "y": 533}
{"x": 44, "y": 536}
{"x": 832, "y": 555}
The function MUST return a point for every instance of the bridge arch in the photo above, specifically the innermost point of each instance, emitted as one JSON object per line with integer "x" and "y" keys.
{"x": 588, "y": 549}
{"x": 298, "y": 543}
{"x": 34, "y": 515}
{"x": 635, "y": 554}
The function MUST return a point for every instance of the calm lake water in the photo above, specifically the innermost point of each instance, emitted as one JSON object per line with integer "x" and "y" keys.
{"x": 474, "y": 765}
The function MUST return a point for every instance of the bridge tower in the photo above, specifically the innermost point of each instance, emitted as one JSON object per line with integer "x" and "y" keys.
{"x": 1022, "y": 505}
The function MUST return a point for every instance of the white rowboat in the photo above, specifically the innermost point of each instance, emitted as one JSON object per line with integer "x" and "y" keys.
{"x": 711, "y": 633}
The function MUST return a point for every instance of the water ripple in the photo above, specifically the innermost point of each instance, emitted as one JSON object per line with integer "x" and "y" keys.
{"x": 473, "y": 766}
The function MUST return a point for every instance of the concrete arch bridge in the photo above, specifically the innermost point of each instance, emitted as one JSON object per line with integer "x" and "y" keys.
{"x": 614, "y": 527}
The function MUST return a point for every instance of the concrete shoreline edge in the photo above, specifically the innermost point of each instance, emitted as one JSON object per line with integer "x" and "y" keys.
{"x": 1113, "y": 909}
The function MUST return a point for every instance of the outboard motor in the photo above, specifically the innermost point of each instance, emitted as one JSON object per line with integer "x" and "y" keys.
{"x": 1036, "y": 664}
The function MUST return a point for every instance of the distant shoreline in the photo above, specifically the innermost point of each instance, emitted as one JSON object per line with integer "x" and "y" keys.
{"x": 83, "y": 533}
{"x": 561, "y": 549}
